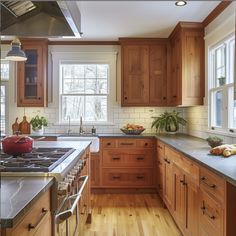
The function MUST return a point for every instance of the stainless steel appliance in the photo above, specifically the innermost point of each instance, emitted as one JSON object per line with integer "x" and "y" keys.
{"x": 71, "y": 190}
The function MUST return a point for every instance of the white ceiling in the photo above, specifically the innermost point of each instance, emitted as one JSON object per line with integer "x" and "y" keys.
{"x": 109, "y": 20}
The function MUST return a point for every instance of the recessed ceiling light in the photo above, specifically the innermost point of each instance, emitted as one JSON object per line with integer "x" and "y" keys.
{"x": 180, "y": 3}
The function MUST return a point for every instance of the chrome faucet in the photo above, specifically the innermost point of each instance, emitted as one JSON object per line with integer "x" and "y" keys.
{"x": 81, "y": 130}
{"x": 69, "y": 130}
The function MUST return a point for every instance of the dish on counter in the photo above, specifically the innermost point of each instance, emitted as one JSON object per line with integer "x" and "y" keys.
{"x": 132, "y": 129}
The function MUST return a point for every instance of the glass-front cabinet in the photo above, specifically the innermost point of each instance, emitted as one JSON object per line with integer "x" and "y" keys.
{"x": 32, "y": 74}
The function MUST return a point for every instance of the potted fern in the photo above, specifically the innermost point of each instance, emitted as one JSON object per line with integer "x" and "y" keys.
{"x": 168, "y": 122}
{"x": 38, "y": 124}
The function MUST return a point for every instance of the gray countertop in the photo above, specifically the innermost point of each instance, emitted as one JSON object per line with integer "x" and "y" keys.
{"x": 18, "y": 194}
{"x": 198, "y": 150}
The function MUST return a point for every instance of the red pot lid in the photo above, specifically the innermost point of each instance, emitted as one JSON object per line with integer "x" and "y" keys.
{"x": 13, "y": 138}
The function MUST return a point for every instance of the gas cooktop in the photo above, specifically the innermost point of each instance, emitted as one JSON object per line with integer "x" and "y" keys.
{"x": 39, "y": 160}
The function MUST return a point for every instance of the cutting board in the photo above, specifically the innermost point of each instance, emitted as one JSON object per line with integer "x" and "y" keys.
{"x": 24, "y": 126}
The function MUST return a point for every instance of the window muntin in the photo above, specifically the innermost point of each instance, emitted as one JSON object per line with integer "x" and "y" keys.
{"x": 221, "y": 77}
{"x": 4, "y": 74}
{"x": 84, "y": 92}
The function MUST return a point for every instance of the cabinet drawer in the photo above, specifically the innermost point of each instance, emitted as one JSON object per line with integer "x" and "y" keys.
{"x": 160, "y": 148}
{"x": 35, "y": 217}
{"x": 108, "y": 143}
{"x": 189, "y": 167}
{"x": 212, "y": 184}
{"x": 145, "y": 143}
{"x": 170, "y": 154}
{"x": 126, "y": 143}
{"x": 127, "y": 177}
{"x": 127, "y": 158}
{"x": 211, "y": 216}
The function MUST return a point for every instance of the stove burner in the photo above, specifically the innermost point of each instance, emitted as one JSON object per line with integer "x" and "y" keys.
{"x": 40, "y": 160}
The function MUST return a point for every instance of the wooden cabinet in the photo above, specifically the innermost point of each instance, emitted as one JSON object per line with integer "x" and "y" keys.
{"x": 160, "y": 168}
{"x": 144, "y": 72}
{"x": 178, "y": 184}
{"x": 127, "y": 163}
{"x": 186, "y": 83}
{"x": 37, "y": 222}
{"x": 95, "y": 170}
{"x": 32, "y": 74}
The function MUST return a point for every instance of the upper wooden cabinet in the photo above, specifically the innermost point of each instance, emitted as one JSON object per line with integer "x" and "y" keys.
{"x": 144, "y": 72}
{"x": 186, "y": 82}
{"x": 32, "y": 74}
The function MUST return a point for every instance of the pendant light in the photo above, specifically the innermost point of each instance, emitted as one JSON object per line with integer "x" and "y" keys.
{"x": 16, "y": 54}
{"x": 180, "y": 3}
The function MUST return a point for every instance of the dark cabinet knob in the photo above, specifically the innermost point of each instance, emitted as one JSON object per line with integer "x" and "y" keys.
{"x": 164, "y": 98}
{"x": 126, "y": 98}
{"x": 174, "y": 96}
{"x": 39, "y": 98}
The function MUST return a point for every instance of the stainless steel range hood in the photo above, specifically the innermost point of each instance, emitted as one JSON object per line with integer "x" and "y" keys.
{"x": 40, "y": 18}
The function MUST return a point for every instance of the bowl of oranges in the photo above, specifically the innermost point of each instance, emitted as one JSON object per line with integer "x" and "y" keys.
{"x": 132, "y": 129}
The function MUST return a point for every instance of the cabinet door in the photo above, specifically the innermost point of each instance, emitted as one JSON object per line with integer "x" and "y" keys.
{"x": 193, "y": 68}
{"x": 179, "y": 199}
{"x": 135, "y": 77}
{"x": 174, "y": 82}
{"x": 95, "y": 170}
{"x": 158, "y": 74}
{"x": 168, "y": 184}
{"x": 192, "y": 206}
{"x": 32, "y": 76}
{"x": 160, "y": 175}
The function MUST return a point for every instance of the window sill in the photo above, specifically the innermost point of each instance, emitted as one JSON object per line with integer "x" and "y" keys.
{"x": 224, "y": 133}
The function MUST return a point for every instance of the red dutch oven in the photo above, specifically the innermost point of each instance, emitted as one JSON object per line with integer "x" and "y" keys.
{"x": 16, "y": 144}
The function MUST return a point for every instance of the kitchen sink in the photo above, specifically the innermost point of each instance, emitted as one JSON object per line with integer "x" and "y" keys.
{"x": 94, "y": 147}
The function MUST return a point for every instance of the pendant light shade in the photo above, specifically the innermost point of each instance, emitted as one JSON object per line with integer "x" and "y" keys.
{"x": 16, "y": 54}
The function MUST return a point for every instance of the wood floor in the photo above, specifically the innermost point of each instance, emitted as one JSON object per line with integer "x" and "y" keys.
{"x": 130, "y": 215}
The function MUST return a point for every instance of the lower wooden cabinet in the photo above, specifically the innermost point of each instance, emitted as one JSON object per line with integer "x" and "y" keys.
{"x": 95, "y": 170}
{"x": 211, "y": 216}
{"x": 37, "y": 222}
{"x": 127, "y": 163}
{"x": 201, "y": 202}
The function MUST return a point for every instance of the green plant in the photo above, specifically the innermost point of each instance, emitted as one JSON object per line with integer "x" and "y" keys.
{"x": 168, "y": 121}
{"x": 222, "y": 80}
{"x": 38, "y": 122}
{"x": 214, "y": 141}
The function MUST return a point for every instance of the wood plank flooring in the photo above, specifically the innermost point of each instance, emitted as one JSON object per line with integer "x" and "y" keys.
{"x": 130, "y": 215}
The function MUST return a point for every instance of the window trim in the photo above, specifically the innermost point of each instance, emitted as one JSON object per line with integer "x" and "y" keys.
{"x": 88, "y": 57}
{"x": 212, "y": 87}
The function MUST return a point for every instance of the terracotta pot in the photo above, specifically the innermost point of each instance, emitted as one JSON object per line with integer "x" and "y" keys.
{"x": 17, "y": 144}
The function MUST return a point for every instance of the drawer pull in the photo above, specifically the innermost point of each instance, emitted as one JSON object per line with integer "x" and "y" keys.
{"x": 30, "y": 226}
{"x": 115, "y": 158}
{"x": 204, "y": 211}
{"x": 159, "y": 146}
{"x": 166, "y": 160}
{"x": 115, "y": 177}
{"x": 127, "y": 144}
{"x": 139, "y": 177}
{"x": 140, "y": 158}
{"x": 182, "y": 182}
{"x": 146, "y": 144}
{"x": 203, "y": 179}
{"x": 108, "y": 144}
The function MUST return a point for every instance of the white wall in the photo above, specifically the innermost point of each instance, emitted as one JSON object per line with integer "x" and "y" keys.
{"x": 119, "y": 115}
{"x": 217, "y": 30}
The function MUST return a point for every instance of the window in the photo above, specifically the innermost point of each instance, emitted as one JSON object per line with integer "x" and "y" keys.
{"x": 221, "y": 83}
{"x": 3, "y": 97}
{"x": 84, "y": 92}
